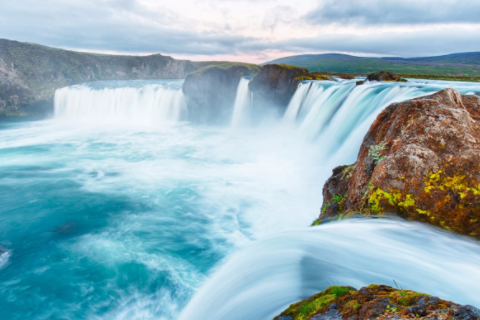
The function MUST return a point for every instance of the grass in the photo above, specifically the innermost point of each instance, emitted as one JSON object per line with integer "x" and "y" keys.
{"x": 225, "y": 66}
{"x": 441, "y": 77}
{"x": 336, "y": 63}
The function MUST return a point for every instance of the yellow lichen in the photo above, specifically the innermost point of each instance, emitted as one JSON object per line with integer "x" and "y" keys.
{"x": 446, "y": 200}
{"x": 395, "y": 198}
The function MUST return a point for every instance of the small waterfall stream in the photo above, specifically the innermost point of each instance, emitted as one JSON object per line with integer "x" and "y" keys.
{"x": 242, "y": 104}
{"x": 337, "y": 115}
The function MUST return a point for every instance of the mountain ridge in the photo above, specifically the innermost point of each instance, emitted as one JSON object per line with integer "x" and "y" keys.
{"x": 467, "y": 63}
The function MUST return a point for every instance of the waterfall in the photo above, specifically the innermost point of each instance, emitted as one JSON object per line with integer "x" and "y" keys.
{"x": 242, "y": 104}
{"x": 260, "y": 281}
{"x": 122, "y": 102}
{"x": 338, "y": 114}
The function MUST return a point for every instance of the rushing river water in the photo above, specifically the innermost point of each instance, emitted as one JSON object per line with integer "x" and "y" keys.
{"x": 119, "y": 208}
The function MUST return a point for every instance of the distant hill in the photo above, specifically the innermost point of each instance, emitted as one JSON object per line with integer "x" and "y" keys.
{"x": 467, "y": 64}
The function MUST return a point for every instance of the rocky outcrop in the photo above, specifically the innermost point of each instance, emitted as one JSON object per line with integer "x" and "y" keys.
{"x": 211, "y": 91}
{"x": 30, "y": 73}
{"x": 384, "y": 76}
{"x": 274, "y": 85}
{"x": 419, "y": 160}
{"x": 379, "y": 302}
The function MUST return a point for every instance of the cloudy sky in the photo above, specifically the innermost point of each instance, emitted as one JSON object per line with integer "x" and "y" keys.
{"x": 246, "y": 30}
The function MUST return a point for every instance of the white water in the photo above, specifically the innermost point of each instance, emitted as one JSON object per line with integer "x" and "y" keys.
{"x": 242, "y": 104}
{"x": 263, "y": 279}
{"x": 131, "y": 221}
{"x": 151, "y": 103}
{"x": 339, "y": 114}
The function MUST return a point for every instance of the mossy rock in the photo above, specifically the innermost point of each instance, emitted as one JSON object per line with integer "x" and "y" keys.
{"x": 376, "y": 302}
{"x": 419, "y": 161}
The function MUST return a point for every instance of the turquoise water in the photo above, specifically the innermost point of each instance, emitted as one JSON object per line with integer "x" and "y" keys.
{"x": 124, "y": 223}
{"x": 118, "y": 208}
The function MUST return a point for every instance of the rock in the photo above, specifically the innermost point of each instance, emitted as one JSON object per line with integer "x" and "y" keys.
{"x": 211, "y": 91}
{"x": 66, "y": 228}
{"x": 376, "y": 302}
{"x": 274, "y": 85}
{"x": 308, "y": 308}
{"x": 384, "y": 76}
{"x": 331, "y": 314}
{"x": 4, "y": 256}
{"x": 420, "y": 160}
{"x": 466, "y": 313}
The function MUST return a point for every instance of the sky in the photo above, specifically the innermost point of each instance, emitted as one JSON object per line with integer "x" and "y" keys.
{"x": 246, "y": 30}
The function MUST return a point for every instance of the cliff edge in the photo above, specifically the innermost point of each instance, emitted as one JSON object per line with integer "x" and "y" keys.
{"x": 420, "y": 160}
{"x": 30, "y": 73}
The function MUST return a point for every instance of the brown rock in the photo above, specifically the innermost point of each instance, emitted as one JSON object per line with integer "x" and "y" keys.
{"x": 275, "y": 84}
{"x": 384, "y": 76}
{"x": 419, "y": 160}
{"x": 211, "y": 91}
{"x": 379, "y": 302}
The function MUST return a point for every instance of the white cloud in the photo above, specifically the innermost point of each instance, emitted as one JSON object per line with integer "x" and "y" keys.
{"x": 248, "y": 30}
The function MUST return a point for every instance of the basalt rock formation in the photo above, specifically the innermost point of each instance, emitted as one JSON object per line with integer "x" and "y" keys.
{"x": 30, "y": 73}
{"x": 384, "y": 76}
{"x": 274, "y": 85}
{"x": 420, "y": 160}
{"x": 211, "y": 91}
{"x": 379, "y": 302}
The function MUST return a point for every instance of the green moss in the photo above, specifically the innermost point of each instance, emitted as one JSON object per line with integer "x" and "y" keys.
{"x": 347, "y": 172}
{"x": 290, "y": 67}
{"x": 307, "y": 308}
{"x": 406, "y": 297}
{"x": 251, "y": 68}
{"x": 351, "y": 306}
{"x": 355, "y": 304}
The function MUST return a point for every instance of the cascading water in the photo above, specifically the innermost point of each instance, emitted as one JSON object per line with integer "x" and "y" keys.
{"x": 263, "y": 279}
{"x": 122, "y": 102}
{"x": 120, "y": 221}
{"x": 241, "y": 107}
{"x": 339, "y": 114}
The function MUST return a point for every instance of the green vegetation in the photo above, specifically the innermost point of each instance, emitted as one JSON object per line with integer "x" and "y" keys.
{"x": 467, "y": 65}
{"x": 369, "y": 302}
{"x": 441, "y": 77}
{"x": 375, "y": 152}
{"x": 204, "y": 66}
{"x": 307, "y": 308}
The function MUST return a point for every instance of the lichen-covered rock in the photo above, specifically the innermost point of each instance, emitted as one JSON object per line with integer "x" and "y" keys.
{"x": 419, "y": 160}
{"x": 376, "y": 302}
{"x": 274, "y": 85}
{"x": 211, "y": 91}
{"x": 384, "y": 76}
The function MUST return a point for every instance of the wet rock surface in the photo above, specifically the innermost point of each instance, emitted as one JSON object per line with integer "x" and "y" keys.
{"x": 420, "y": 160}
{"x": 376, "y": 302}
{"x": 384, "y": 76}
{"x": 211, "y": 91}
{"x": 275, "y": 84}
